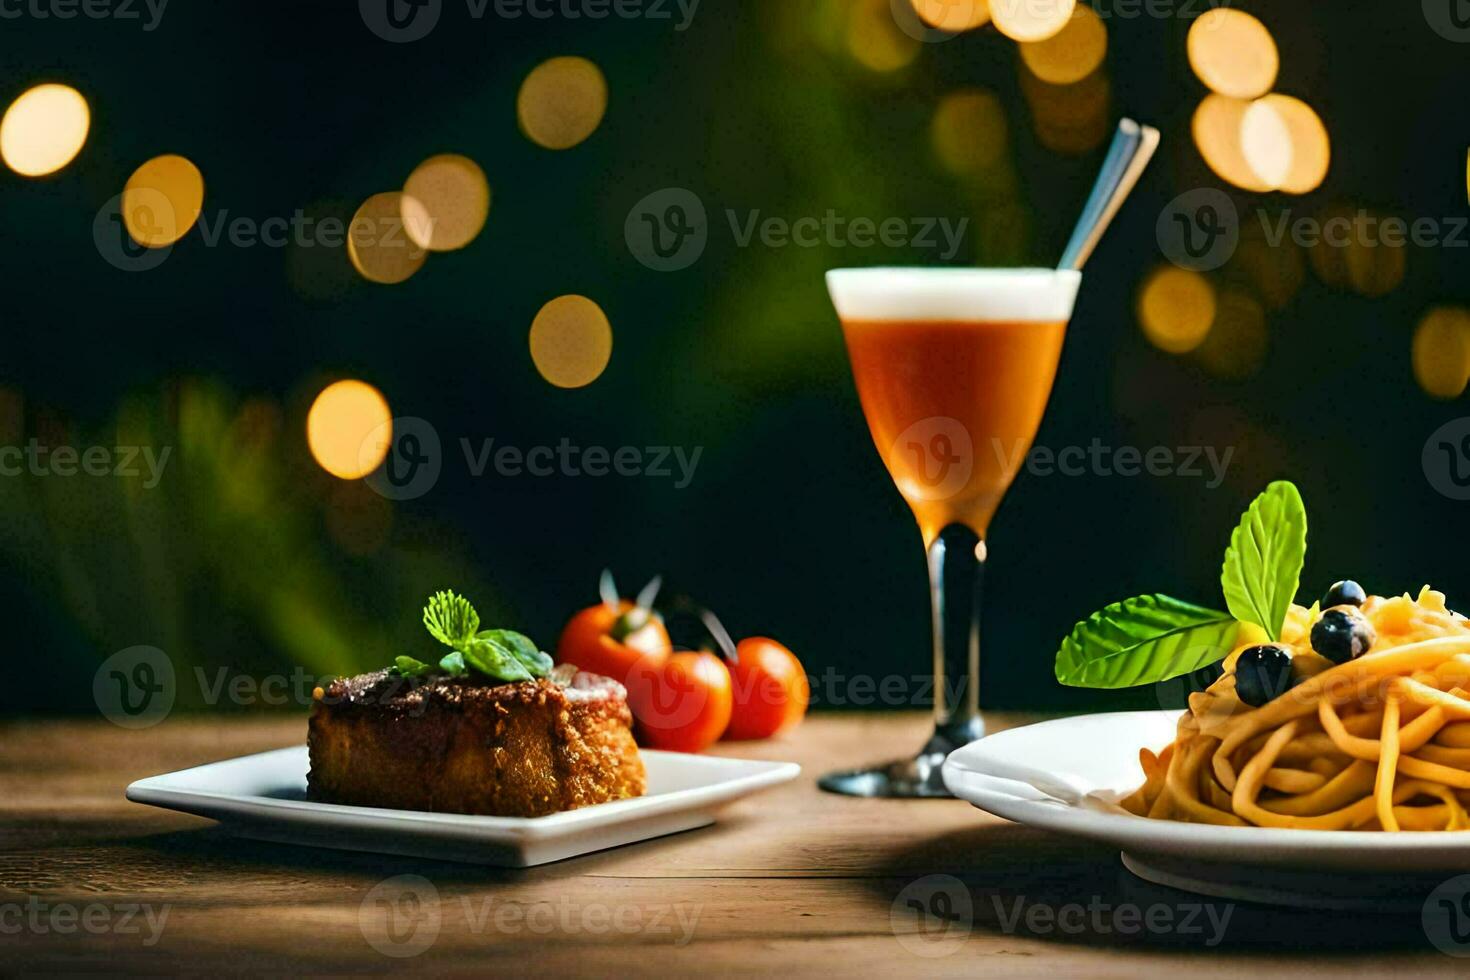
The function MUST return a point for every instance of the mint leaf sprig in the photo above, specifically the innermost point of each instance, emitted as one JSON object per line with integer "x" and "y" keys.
{"x": 499, "y": 654}
{"x": 1153, "y": 638}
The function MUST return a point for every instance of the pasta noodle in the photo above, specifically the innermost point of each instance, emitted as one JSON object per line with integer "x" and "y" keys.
{"x": 1380, "y": 743}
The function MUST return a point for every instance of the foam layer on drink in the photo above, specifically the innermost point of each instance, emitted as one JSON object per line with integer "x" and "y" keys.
{"x": 996, "y": 295}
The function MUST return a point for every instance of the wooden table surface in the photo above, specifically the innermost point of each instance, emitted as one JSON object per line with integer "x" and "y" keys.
{"x": 793, "y": 880}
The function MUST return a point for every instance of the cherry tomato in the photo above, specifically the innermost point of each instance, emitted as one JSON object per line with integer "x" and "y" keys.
{"x": 689, "y": 705}
{"x": 625, "y": 642}
{"x": 770, "y": 690}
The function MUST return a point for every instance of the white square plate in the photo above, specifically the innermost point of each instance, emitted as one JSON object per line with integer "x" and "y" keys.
{"x": 264, "y": 796}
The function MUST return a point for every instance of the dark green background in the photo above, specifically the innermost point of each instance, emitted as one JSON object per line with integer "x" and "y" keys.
{"x": 790, "y": 527}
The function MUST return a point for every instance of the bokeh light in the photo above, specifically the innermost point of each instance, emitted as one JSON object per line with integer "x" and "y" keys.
{"x": 1233, "y": 53}
{"x": 1235, "y": 346}
{"x": 44, "y": 129}
{"x": 874, "y": 38}
{"x": 1273, "y": 270}
{"x": 454, "y": 193}
{"x": 562, "y": 102}
{"x": 379, "y": 243}
{"x": 954, "y": 16}
{"x": 1072, "y": 53}
{"x": 1031, "y": 20}
{"x": 162, "y": 200}
{"x": 969, "y": 131}
{"x": 1285, "y": 144}
{"x": 1176, "y": 308}
{"x": 571, "y": 341}
{"x": 1217, "y": 127}
{"x": 1074, "y": 118}
{"x": 1441, "y": 352}
{"x": 1351, "y": 251}
{"x": 343, "y": 429}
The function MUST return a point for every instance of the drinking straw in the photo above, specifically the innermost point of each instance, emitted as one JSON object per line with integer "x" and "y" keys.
{"x": 1132, "y": 148}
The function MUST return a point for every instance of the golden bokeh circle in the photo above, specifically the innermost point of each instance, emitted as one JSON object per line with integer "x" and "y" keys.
{"x": 1031, "y": 20}
{"x": 1072, "y": 53}
{"x": 1285, "y": 143}
{"x": 1217, "y": 135}
{"x": 969, "y": 131}
{"x": 1441, "y": 352}
{"x": 44, "y": 129}
{"x": 342, "y": 428}
{"x": 874, "y": 38}
{"x": 1233, "y": 53}
{"x": 571, "y": 341}
{"x": 379, "y": 242}
{"x": 562, "y": 102}
{"x": 1176, "y": 308}
{"x": 954, "y": 16}
{"x": 1235, "y": 346}
{"x": 162, "y": 200}
{"x": 456, "y": 197}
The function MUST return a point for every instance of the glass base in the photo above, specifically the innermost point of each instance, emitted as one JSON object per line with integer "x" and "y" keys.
{"x": 916, "y": 778}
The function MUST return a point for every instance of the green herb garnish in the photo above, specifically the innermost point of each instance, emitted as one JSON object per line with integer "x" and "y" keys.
{"x": 501, "y": 655}
{"x": 1263, "y": 565}
{"x": 1153, "y": 638}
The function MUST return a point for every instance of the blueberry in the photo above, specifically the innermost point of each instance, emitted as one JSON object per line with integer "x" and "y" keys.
{"x": 1262, "y": 674}
{"x": 1344, "y": 593}
{"x": 1342, "y": 634}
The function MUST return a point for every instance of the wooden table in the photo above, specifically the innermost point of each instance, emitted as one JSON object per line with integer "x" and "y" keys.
{"x": 794, "y": 880}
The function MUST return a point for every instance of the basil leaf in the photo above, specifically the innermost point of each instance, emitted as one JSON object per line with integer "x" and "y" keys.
{"x": 523, "y": 648}
{"x": 1143, "y": 640}
{"x": 453, "y": 664}
{"x": 409, "y": 667}
{"x": 493, "y": 659}
{"x": 1263, "y": 565}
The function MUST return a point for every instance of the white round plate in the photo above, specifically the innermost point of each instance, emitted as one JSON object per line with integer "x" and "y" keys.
{"x": 1063, "y": 775}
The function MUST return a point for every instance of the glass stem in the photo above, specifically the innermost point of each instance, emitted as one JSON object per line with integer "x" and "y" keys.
{"x": 956, "y": 577}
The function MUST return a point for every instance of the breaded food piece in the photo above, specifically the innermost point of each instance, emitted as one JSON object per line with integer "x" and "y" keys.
{"x": 464, "y": 745}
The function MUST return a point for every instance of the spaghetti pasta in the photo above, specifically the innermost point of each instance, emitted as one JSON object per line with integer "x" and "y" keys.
{"x": 1379, "y": 743}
